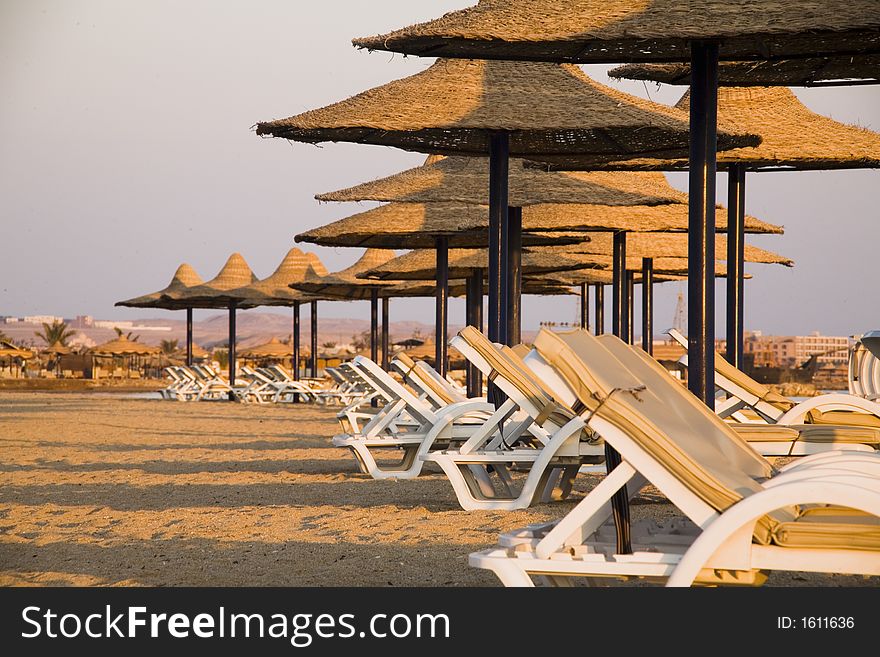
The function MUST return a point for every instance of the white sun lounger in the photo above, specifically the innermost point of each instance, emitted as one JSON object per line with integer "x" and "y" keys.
{"x": 741, "y": 517}
{"x": 743, "y": 391}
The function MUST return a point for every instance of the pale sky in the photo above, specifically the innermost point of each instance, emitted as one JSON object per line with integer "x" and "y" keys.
{"x": 126, "y": 148}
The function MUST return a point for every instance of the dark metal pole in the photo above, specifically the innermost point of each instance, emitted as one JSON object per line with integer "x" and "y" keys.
{"x": 600, "y": 309}
{"x": 374, "y": 324}
{"x": 585, "y": 306}
{"x": 499, "y": 155}
{"x": 648, "y": 305}
{"x": 189, "y": 337}
{"x": 474, "y": 318}
{"x": 620, "y": 500}
{"x": 442, "y": 291}
{"x": 231, "y": 349}
{"x": 386, "y": 353}
{"x": 736, "y": 214}
{"x": 313, "y": 320}
{"x": 296, "y": 331}
{"x": 630, "y": 307}
{"x": 512, "y": 242}
{"x": 618, "y": 287}
{"x": 701, "y": 220}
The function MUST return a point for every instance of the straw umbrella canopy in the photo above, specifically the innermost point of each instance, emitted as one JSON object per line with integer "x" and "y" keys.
{"x": 792, "y": 136}
{"x": 122, "y": 346}
{"x": 185, "y": 277}
{"x": 703, "y": 32}
{"x": 9, "y": 350}
{"x": 465, "y": 180}
{"x": 234, "y": 274}
{"x": 272, "y": 349}
{"x": 610, "y": 31}
{"x": 809, "y": 72}
{"x": 421, "y": 264}
{"x": 613, "y": 31}
{"x": 275, "y": 290}
{"x": 500, "y": 109}
{"x": 56, "y": 349}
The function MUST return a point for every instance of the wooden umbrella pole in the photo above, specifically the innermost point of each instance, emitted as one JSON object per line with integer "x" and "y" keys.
{"x": 600, "y": 309}
{"x": 474, "y": 318}
{"x": 618, "y": 286}
{"x": 701, "y": 220}
{"x": 630, "y": 307}
{"x": 585, "y": 306}
{"x": 499, "y": 155}
{"x": 374, "y": 324}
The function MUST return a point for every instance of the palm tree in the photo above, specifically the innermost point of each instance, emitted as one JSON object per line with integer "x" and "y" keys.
{"x": 57, "y": 331}
{"x": 168, "y": 347}
{"x": 120, "y": 333}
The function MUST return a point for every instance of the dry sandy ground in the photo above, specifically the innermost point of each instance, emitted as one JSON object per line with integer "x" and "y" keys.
{"x": 105, "y": 490}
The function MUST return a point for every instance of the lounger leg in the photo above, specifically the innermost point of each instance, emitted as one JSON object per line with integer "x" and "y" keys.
{"x": 511, "y": 574}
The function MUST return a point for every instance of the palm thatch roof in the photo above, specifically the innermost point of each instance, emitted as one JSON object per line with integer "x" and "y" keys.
{"x": 808, "y": 72}
{"x": 793, "y": 136}
{"x": 272, "y": 349}
{"x": 274, "y": 290}
{"x": 668, "y": 245}
{"x": 185, "y": 277}
{"x": 466, "y": 179}
{"x": 9, "y": 350}
{"x": 547, "y": 109}
{"x": 614, "y": 31}
{"x": 421, "y": 264}
{"x": 56, "y": 349}
{"x": 122, "y": 346}
{"x": 235, "y": 274}
{"x": 417, "y": 225}
{"x": 594, "y": 276}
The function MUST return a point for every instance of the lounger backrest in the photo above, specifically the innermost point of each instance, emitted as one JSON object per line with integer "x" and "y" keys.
{"x": 696, "y": 456}
{"x": 746, "y": 382}
{"x": 691, "y": 409}
{"x": 395, "y": 390}
{"x": 521, "y": 350}
{"x": 517, "y": 374}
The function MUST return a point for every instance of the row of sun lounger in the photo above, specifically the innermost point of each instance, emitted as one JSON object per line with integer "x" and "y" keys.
{"x": 572, "y": 395}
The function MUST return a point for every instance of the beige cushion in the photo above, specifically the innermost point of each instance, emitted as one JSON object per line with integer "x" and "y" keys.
{"x": 809, "y": 433}
{"x": 832, "y": 527}
{"x": 848, "y": 418}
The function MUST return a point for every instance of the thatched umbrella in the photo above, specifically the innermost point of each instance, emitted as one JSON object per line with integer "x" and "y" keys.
{"x": 235, "y": 274}
{"x": 614, "y": 31}
{"x": 497, "y": 109}
{"x": 275, "y": 290}
{"x": 700, "y": 31}
{"x": 810, "y": 72}
{"x": 273, "y": 349}
{"x": 185, "y": 277}
{"x": 793, "y": 138}
{"x": 124, "y": 348}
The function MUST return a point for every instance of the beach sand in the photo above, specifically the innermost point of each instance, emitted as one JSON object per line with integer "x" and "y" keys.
{"x": 108, "y": 490}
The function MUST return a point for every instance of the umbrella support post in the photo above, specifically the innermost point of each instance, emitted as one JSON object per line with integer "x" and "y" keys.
{"x": 231, "y": 353}
{"x": 618, "y": 287}
{"x": 442, "y": 305}
{"x": 499, "y": 155}
{"x": 620, "y": 501}
{"x": 585, "y": 307}
{"x": 374, "y": 332}
{"x": 648, "y": 305}
{"x": 474, "y": 318}
{"x": 511, "y": 240}
{"x": 736, "y": 197}
{"x": 630, "y": 307}
{"x": 701, "y": 220}
{"x": 386, "y": 354}
{"x": 189, "y": 337}
{"x": 313, "y": 320}
{"x": 600, "y": 309}
{"x": 294, "y": 342}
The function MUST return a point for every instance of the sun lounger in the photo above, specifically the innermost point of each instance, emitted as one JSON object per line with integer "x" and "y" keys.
{"x": 744, "y": 391}
{"x": 406, "y": 425}
{"x": 741, "y": 517}
{"x": 531, "y": 431}
{"x": 864, "y": 367}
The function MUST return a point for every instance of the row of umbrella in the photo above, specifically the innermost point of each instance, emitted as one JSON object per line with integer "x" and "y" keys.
{"x": 505, "y": 85}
